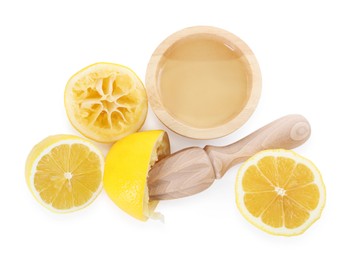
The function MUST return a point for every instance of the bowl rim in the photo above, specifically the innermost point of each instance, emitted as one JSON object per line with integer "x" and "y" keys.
{"x": 180, "y": 127}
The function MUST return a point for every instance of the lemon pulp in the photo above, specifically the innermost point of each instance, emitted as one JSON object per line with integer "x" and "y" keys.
{"x": 64, "y": 172}
{"x": 106, "y": 102}
{"x": 280, "y": 192}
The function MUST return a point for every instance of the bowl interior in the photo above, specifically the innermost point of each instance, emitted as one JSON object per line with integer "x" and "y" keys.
{"x": 205, "y": 83}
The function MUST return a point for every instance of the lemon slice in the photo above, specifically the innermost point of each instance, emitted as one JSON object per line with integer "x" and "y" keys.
{"x": 126, "y": 169}
{"x": 64, "y": 173}
{"x": 280, "y": 192}
{"x": 106, "y": 102}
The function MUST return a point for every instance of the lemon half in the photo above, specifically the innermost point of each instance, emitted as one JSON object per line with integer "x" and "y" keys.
{"x": 126, "y": 169}
{"x": 106, "y": 102}
{"x": 280, "y": 192}
{"x": 64, "y": 172}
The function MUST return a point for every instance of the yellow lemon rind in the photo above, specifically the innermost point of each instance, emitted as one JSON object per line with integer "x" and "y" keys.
{"x": 126, "y": 172}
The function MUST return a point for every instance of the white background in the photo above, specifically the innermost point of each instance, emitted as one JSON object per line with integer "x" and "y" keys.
{"x": 303, "y": 50}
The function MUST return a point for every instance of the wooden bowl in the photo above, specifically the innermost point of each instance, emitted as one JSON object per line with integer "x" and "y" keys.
{"x": 203, "y": 82}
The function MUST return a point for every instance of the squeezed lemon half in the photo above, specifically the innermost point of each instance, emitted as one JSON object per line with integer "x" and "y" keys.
{"x": 126, "y": 170}
{"x": 64, "y": 172}
{"x": 106, "y": 102}
{"x": 280, "y": 192}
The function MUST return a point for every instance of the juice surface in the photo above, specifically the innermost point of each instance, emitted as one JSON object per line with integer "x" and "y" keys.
{"x": 203, "y": 82}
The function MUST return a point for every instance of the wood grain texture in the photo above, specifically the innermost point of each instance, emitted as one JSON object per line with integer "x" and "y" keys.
{"x": 154, "y": 69}
{"x": 194, "y": 169}
{"x": 181, "y": 174}
{"x": 287, "y": 132}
